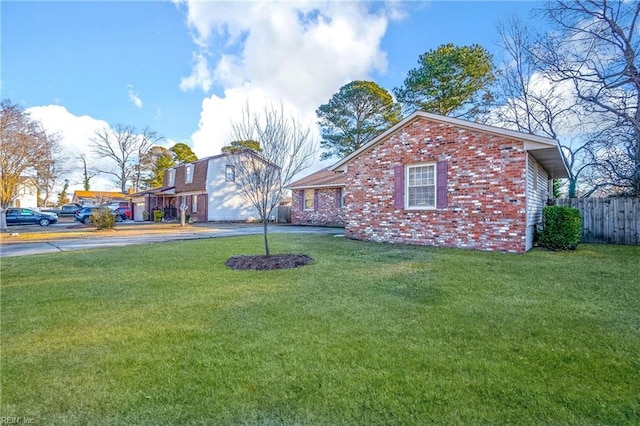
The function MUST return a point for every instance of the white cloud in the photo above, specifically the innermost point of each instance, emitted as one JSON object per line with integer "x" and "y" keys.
{"x": 75, "y": 133}
{"x": 134, "y": 98}
{"x": 298, "y": 53}
{"x": 219, "y": 113}
{"x": 200, "y": 76}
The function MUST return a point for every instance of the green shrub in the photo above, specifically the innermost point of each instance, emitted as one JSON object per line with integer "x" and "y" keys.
{"x": 103, "y": 218}
{"x": 158, "y": 215}
{"x": 561, "y": 228}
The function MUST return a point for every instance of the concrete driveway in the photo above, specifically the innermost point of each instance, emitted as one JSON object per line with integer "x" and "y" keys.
{"x": 49, "y": 240}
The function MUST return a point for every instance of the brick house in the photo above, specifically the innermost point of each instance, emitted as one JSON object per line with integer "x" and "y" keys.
{"x": 206, "y": 188}
{"x": 442, "y": 181}
{"x": 318, "y": 199}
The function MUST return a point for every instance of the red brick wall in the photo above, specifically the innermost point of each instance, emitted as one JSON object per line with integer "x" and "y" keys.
{"x": 327, "y": 211}
{"x": 486, "y": 182}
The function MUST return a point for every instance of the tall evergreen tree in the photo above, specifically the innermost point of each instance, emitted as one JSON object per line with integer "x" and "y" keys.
{"x": 450, "y": 80}
{"x": 359, "y": 112}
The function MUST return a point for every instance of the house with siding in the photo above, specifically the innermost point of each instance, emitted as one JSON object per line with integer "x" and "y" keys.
{"x": 26, "y": 193}
{"x": 205, "y": 188}
{"x": 442, "y": 181}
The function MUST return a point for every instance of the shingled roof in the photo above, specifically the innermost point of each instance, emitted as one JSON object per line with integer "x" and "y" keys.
{"x": 324, "y": 178}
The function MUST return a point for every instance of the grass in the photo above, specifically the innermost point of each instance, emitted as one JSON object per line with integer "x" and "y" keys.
{"x": 367, "y": 334}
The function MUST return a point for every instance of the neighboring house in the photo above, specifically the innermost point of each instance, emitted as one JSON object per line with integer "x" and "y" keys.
{"x": 92, "y": 198}
{"x": 442, "y": 181}
{"x": 206, "y": 189}
{"x": 26, "y": 193}
{"x": 318, "y": 199}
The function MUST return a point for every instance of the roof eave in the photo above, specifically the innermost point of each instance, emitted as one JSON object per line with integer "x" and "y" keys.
{"x": 551, "y": 159}
{"x": 526, "y": 137}
{"x": 332, "y": 185}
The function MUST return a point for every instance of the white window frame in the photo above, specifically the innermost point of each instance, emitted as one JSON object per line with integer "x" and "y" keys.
{"x": 407, "y": 185}
{"x": 194, "y": 203}
{"x": 172, "y": 177}
{"x": 188, "y": 173}
{"x": 312, "y": 198}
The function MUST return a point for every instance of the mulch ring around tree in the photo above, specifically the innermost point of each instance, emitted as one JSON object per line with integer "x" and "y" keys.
{"x": 264, "y": 263}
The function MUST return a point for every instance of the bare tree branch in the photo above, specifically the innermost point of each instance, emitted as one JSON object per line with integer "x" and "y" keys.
{"x": 596, "y": 48}
{"x": 287, "y": 149}
{"x": 125, "y": 148}
{"x": 24, "y": 148}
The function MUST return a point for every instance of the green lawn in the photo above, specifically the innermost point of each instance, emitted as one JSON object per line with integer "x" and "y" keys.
{"x": 369, "y": 334}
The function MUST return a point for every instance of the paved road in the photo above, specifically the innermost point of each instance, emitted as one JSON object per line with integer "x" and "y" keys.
{"x": 23, "y": 248}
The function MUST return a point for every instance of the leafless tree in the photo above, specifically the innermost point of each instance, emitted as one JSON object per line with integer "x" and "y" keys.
{"x": 124, "y": 147}
{"x": 47, "y": 174}
{"x": 594, "y": 45}
{"x": 24, "y": 147}
{"x": 146, "y": 140}
{"x": 287, "y": 149}
{"x": 530, "y": 102}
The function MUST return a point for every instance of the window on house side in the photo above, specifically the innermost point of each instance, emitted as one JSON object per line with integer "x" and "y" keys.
{"x": 194, "y": 204}
{"x": 188, "y": 173}
{"x": 421, "y": 186}
{"x": 230, "y": 174}
{"x": 172, "y": 176}
{"x": 309, "y": 199}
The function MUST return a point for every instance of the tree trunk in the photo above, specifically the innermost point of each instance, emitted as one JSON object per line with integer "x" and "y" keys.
{"x": 572, "y": 187}
{"x": 265, "y": 224}
{"x": 3, "y": 220}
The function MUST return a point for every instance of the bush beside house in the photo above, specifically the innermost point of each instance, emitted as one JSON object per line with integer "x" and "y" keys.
{"x": 561, "y": 228}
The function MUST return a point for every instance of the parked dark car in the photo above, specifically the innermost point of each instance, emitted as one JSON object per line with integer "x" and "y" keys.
{"x": 64, "y": 210}
{"x": 21, "y": 216}
{"x": 124, "y": 210}
{"x": 84, "y": 214}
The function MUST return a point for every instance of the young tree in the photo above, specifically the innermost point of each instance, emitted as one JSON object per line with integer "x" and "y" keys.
{"x": 594, "y": 45}
{"x": 451, "y": 80}
{"x": 87, "y": 172}
{"x": 287, "y": 149}
{"x": 359, "y": 112}
{"x": 24, "y": 147}
{"x": 124, "y": 147}
{"x": 63, "y": 197}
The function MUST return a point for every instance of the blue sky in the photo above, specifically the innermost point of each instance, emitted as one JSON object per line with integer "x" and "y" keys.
{"x": 185, "y": 69}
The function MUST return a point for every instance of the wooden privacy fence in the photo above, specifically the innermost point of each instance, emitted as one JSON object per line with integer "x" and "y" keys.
{"x": 607, "y": 220}
{"x": 284, "y": 214}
